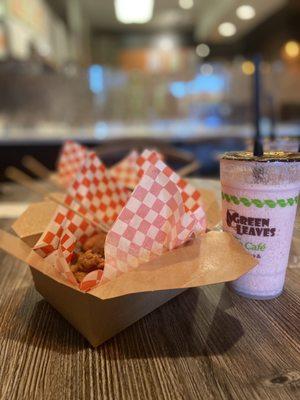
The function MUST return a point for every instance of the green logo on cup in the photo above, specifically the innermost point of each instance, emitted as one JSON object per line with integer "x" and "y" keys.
{"x": 255, "y": 246}
{"x": 260, "y": 203}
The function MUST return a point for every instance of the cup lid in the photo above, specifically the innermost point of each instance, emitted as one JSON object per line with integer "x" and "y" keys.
{"x": 268, "y": 156}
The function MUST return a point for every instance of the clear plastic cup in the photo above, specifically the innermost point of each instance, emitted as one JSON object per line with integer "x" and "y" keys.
{"x": 259, "y": 204}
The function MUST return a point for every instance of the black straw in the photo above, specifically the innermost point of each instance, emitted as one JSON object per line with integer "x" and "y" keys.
{"x": 258, "y": 146}
{"x": 272, "y": 118}
{"x": 258, "y": 149}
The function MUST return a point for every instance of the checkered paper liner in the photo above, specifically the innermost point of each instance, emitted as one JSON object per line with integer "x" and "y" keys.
{"x": 153, "y": 221}
{"x": 91, "y": 280}
{"x": 126, "y": 171}
{"x": 64, "y": 230}
{"x": 190, "y": 195}
{"x": 71, "y": 158}
{"x": 94, "y": 194}
{"x": 58, "y": 244}
{"x": 99, "y": 193}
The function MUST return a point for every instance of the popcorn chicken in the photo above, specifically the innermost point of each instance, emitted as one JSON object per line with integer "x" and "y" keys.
{"x": 88, "y": 258}
{"x": 74, "y": 268}
{"x": 95, "y": 243}
{"x": 79, "y": 276}
{"x": 89, "y": 261}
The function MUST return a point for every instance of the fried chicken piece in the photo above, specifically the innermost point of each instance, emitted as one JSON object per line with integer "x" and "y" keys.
{"x": 79, "y": 276}
{"x": 89, "y": 257}
{"x": 95, "y": 243}
{"x": 74, "y": 268}
{"x": 89, "y": 261}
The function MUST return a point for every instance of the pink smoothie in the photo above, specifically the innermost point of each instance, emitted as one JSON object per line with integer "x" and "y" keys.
{"x": 259, "y": 207}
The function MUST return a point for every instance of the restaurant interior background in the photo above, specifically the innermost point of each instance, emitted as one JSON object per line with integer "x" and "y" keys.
{"x": 125, "y": 73}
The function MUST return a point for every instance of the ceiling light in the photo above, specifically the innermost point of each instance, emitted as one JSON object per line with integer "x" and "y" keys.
{"x": 248, "y": 67}
{"x": 202, "y": 50}
{"x": 186, "y": 4}
{"x": 206, "y": 69}
{"x": 134, "y": 11}
{"x": 245, "y": 12}
{"x": 292, "y": 49}
{"x": 227, "y": 29}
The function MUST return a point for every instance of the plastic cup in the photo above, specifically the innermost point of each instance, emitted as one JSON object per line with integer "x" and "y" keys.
{"x": 259, "y": 204}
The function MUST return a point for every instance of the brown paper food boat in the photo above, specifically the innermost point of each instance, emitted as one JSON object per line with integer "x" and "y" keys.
{"x": 104, "y": 311}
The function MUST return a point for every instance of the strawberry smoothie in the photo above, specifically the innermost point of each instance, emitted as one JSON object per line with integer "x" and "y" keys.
{"x": 259, "y": 204}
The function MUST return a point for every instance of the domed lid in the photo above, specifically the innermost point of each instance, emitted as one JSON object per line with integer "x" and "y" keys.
{"x": 268, "y": 156}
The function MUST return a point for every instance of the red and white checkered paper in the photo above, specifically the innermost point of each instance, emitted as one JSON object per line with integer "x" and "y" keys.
{"x": 65, "y": 229}
{"x": 95, "y": 194}
{"x": 154, "y": 221}
{"x": 71, "y": 158}
{"x": 59, "y": 240}
{"x": 126, "y": 171}
{"x": 190, "y": 195}
{"x": 99, "y": 193}
{"x": 71, "y": 230}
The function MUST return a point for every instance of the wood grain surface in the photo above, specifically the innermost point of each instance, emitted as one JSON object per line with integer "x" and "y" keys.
{"x": 206, "y": 344}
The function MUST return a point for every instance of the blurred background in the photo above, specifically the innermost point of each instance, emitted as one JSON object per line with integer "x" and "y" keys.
{"x": 113, "y": 73}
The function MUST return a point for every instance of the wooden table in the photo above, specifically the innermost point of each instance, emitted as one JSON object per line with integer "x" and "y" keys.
{"x": 207, "y": 343}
